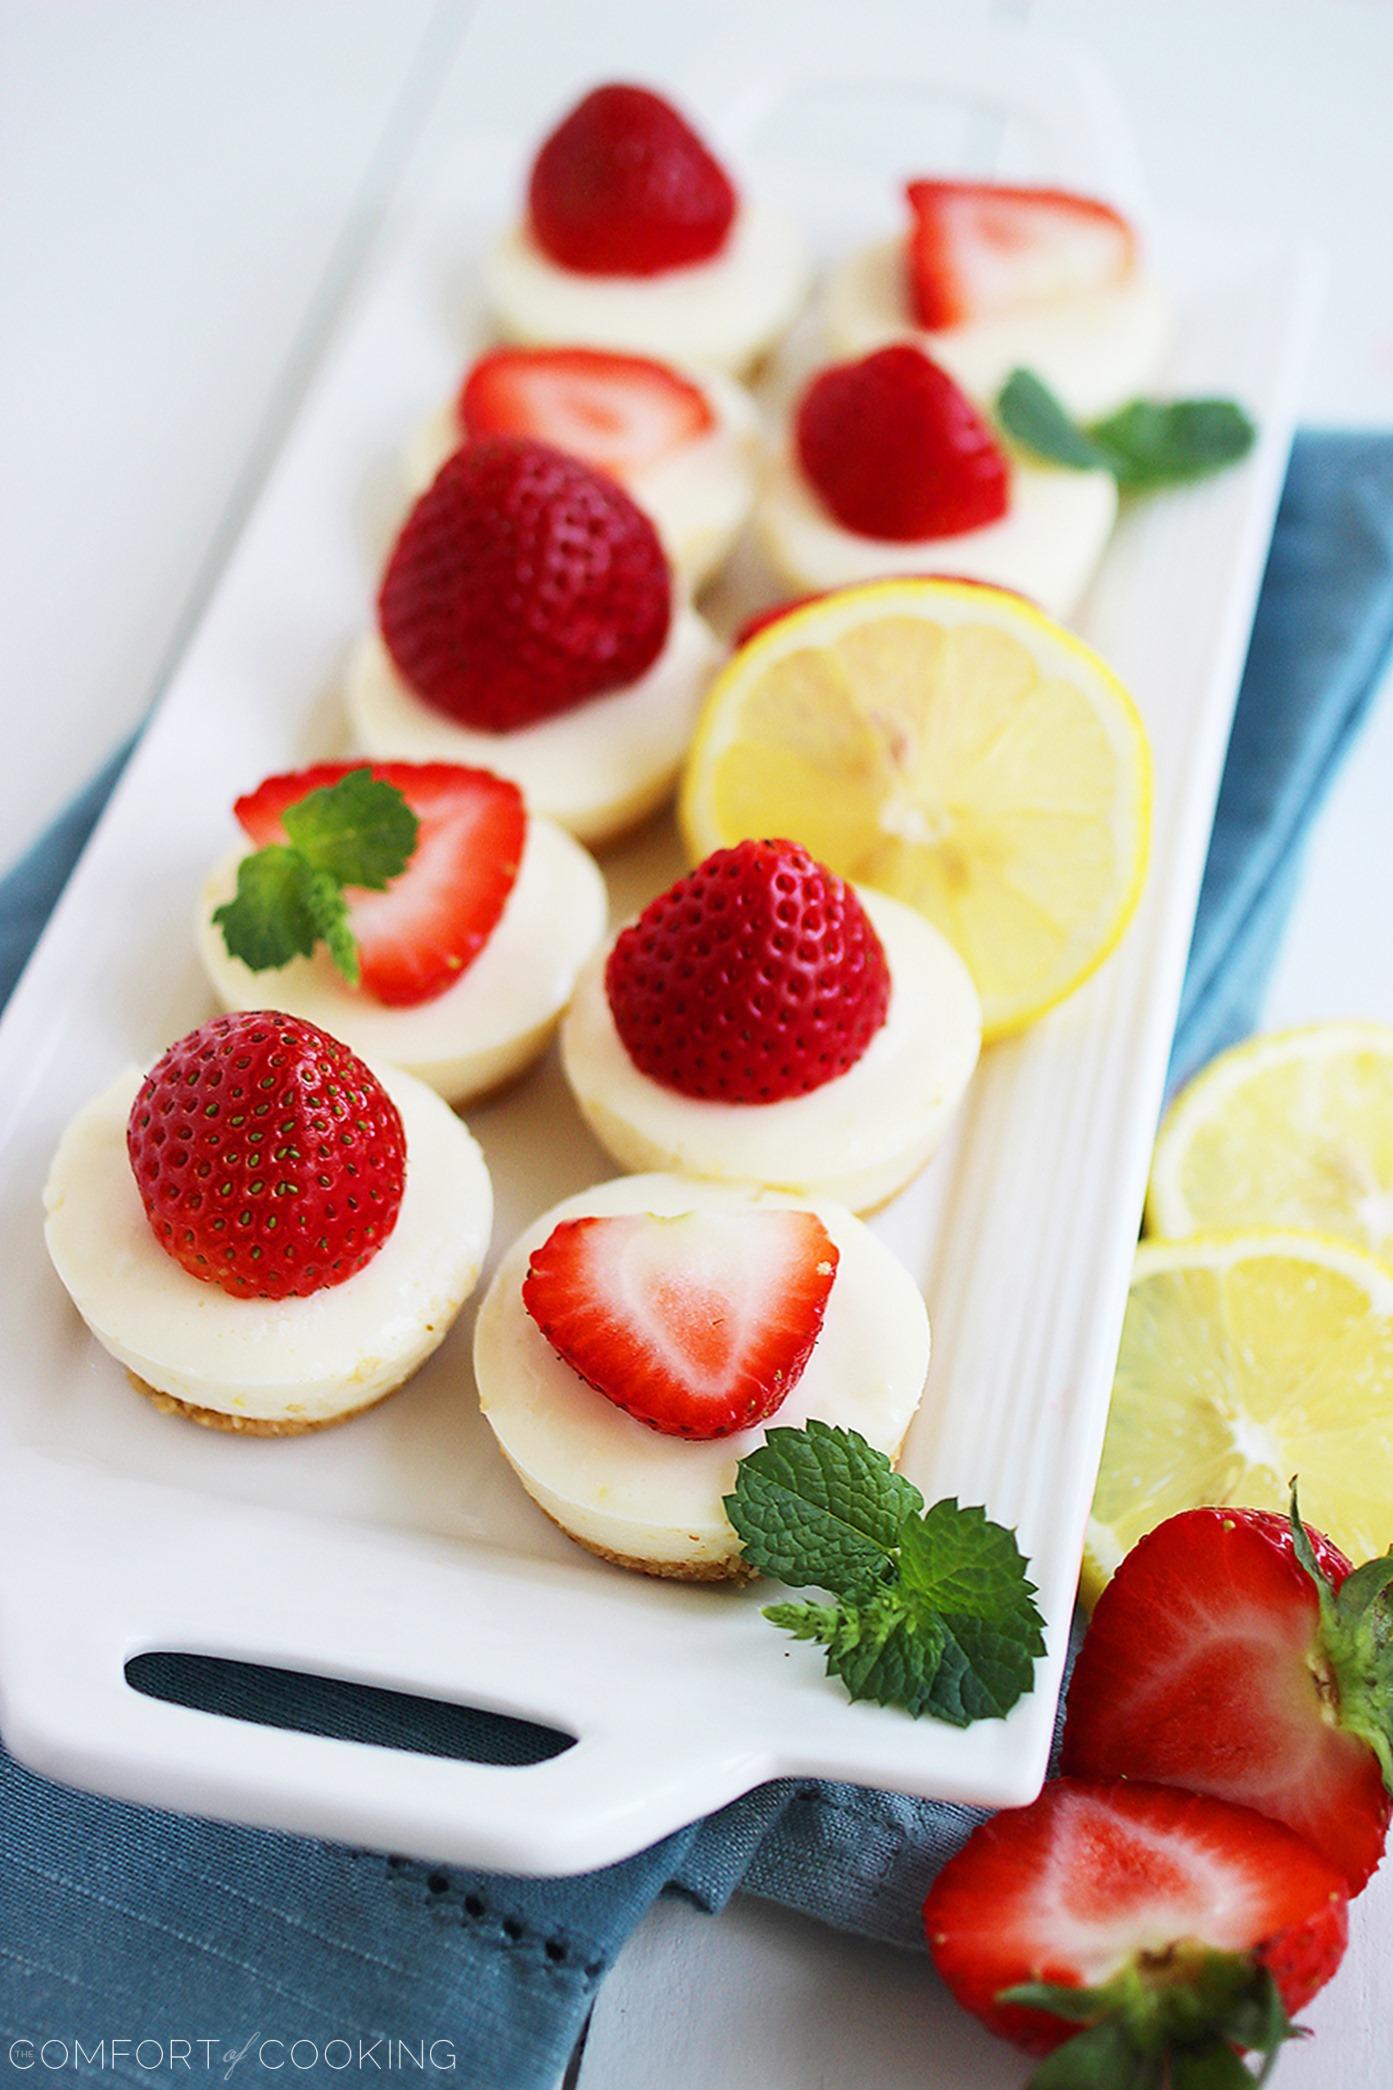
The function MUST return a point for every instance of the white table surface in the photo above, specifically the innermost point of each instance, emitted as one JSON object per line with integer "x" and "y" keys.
{"x": 185, "y": 189}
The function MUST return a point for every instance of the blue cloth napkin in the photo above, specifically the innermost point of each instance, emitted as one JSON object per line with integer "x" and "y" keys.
{"x": 118, "y": 1922}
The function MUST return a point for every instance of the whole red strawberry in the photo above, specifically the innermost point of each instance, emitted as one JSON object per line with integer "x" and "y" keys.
{"x": 270, "y": 1160}
{"x": 523, "y": 583}
{"x": 1143, "y": 1931}
{"x": 757, "y": 976}
{"x": 624, "y": 187}
{"x": 896, "y": 451}
{"x": 1234, "y": 1653}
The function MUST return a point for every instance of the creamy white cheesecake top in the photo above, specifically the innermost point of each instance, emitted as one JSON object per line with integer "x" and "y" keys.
{"x": 726, "y": 312}
{"x": 289, "y": 1361}
{"x": 595, "y": 769}
{"x": 496, "y": 1016}
{"x": 629, "y": 1490}
{"x": 857, "y": 1138}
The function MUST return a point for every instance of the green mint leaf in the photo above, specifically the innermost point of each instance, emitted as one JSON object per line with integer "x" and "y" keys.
{"x": 969, "y": 1574}
{"x": 883, "y": 1649}
{"x": 935, "y": 1611}
{"x": 1029, "y": 412}
{"x": 359, "y": 831}
{"x": 819, "y": 1508}
{"x": 325, "y": 903}
{"x": 272, "y": 917}
{"x": 290, "y": 897}
{"x": 806, "y": 1621}
{"x": 1150, "y": 444}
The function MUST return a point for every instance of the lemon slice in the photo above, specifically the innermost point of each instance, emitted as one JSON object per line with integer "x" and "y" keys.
{"x": 1292, "y": 1129}
{"x": 953, "y": 746}
{"x": 1248, "y": 1358}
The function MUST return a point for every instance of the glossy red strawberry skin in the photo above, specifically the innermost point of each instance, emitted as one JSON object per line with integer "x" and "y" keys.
{"x": 625, "y": 187}
{"x": 756, "y": 977}
{"x": 1092, "y": 1864}
{"x": 523, "y": 583}
{"x": 976, "y": 249}
{"x": 622, "y": 414}
{"x": 417, "y": 938}
{"x": 1203, "y": 1668}
{"x": 895, "y": 451}
{"x": 690, "y": 1344}
{"x": 270, "y": 1160}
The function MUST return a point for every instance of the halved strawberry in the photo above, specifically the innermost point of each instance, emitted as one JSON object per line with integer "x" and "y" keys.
{"x": 1217, "y": 1660}
{"x": 977, "y": 249}
{"x": 620, "y": 413}
{"x": 416, "y": 938}
{"x": 697, "y": 1325}
{"x": 1153, "y": 1930}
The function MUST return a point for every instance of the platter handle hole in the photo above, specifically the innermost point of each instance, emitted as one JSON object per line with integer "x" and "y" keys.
{"x": 344, "y": 1711}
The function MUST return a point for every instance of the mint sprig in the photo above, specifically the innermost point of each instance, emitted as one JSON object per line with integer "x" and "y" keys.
{"x": 1145, "y": 445}
{"x": 360, "y": 832}
{"x": 932, "y": 1610}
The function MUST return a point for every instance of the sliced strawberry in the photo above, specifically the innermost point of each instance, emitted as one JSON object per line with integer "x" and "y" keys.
{"x": 1215, "y": 1661}
{"x": 977, "y": 250}
{"x": 697, "y": 1325}
{"x": 416, "y": 938}
{"x": 623, "y": 414}
{"x": 895, "y": 450}
{"x": 1139, "y": 1920}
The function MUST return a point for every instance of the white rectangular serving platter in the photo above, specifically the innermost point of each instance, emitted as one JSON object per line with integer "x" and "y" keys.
{"x": 400, "y": 1551}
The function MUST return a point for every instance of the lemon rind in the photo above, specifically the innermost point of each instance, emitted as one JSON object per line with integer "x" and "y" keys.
{"x": 701, "y": 832}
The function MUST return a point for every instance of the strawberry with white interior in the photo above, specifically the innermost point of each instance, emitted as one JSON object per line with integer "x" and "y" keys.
{"x": 684, "y": 444}
{"x": 1235, "y": 1653}
{"x": 635, "y": 237}
{"x": 890, "y": 470}
{"x": 765, "y": 1022}
{"x": 638, "y": 1338}
{"x": 416, "y": 910}
{"x": 269, "y": 1234}
{"x": 990, "y": 279}
{"x": 1136, "y": 1934}
{"x": 529, "y": 624}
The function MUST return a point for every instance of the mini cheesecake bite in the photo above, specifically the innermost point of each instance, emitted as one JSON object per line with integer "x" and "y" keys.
{"x": 418, "y": 911}
{"x": 638, "y": 1340}
{"x": 682, "y": 443}
{"x": 765, "y": 1022}
{"x": 990, "y": 279}
{"x": 529, "y": 625}
{"x": 267, "y": 1233}
{"x": 890, "y": 470}
{"x": 635, "y": 237}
